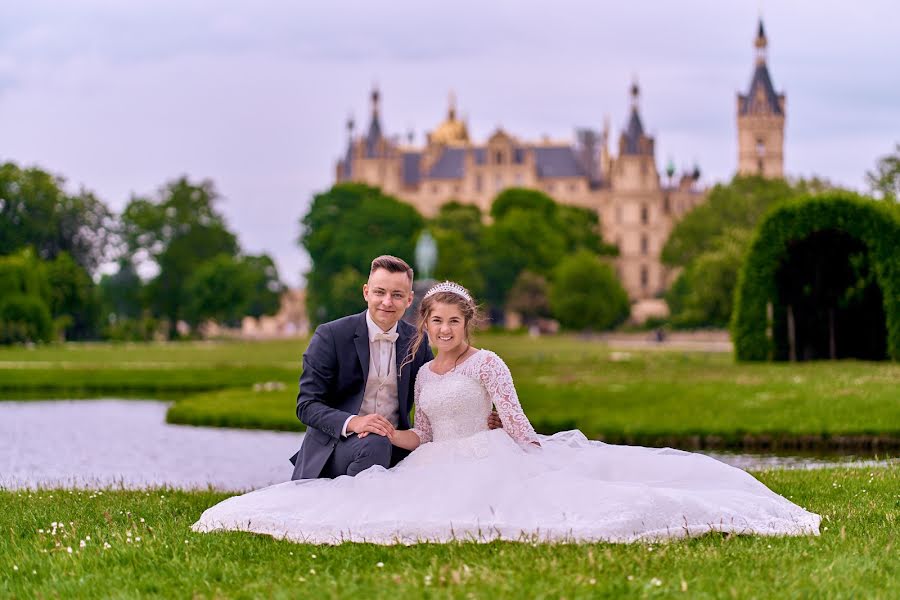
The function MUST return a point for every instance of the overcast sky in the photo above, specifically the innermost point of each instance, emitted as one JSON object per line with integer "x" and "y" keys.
{"x": 121, "y": 97}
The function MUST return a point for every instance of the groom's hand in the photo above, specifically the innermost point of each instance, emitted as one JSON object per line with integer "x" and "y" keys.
{"x": 374, "y": 423}
{"x": 494, "y": 421}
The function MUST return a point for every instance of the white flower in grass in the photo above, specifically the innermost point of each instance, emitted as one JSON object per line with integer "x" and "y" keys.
{"x": 592, "y": 581}
{"x": 87, "y": 537}
{"x": 312, "y": 555}
{"x": 69, "y": 549}
{"x": 82, "y": 544}
{"x": 137, "y": 539}
{"x": 106, "y": 546}
{"x": 15, "y": 567}
{"x": 40, "y": 531}
{"x": 142, "y": 519}
{"x": 379, "y": 565}
{"x": 631, "y": 578}
{"x": 655, "y": 582}
{"x": 127, "y": 534}
{"x": 312, "y": 571}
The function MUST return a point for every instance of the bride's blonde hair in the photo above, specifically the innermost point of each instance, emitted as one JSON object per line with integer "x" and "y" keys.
{"x": 470, "y": 311}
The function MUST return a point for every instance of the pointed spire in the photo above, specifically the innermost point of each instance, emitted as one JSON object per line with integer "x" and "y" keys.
{"x": 451, "y": 106}
{"x": 760, "y": 44}
{"x": 374, "y": 135}
{"x": 635, "y": 94}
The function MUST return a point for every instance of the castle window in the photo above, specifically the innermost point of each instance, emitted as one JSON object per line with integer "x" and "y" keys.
{"x": 645, "y": 214}
{"x": 759, "y": 166}
{"x": 760, "y": 147}
{"x": 478, "y": 182}
{"x": 667, "y": 204}
{"x": 498, "y": 157}
{"x": 645, "y": 277}
{"x": 644, "y": 245}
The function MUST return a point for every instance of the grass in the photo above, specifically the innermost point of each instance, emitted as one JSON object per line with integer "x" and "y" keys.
{"x": 855, "y": 556}
{"x": 687, "y": 399}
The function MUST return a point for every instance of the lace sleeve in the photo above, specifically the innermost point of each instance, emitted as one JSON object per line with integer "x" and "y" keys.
{"x": 421, "y": 424}
{"x": 497, "y": 380}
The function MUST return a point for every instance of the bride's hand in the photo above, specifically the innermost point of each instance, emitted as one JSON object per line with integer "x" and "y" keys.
{"x": 494, "y": 421}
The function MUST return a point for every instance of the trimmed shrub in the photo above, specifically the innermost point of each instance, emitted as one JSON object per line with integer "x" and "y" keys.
{"x": 875, "y": 225}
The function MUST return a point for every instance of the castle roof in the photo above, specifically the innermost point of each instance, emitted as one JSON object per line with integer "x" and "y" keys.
{"x": 557, "y": 161}
{"x": 761, "y": 97}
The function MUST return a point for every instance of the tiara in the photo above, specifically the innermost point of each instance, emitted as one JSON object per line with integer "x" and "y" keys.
{"x": 449, "y": 286}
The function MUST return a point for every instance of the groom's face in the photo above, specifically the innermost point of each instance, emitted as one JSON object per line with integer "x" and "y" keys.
{"x": 388, "y": 296}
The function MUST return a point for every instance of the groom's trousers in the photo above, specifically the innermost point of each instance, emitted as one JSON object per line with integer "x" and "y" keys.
{"x": 353, "y": 454}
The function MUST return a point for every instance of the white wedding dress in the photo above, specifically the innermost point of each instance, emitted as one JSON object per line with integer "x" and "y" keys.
{"x": 468, "y": 483}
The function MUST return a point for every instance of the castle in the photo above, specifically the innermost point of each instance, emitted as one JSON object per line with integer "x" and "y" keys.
{"x": 637, "y": 209}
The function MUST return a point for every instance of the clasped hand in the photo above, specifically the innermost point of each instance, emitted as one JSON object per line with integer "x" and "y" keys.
{"x": 375, "y": 423}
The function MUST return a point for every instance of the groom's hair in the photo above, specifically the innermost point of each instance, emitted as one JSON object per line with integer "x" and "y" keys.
{"x": 391, "y": 264}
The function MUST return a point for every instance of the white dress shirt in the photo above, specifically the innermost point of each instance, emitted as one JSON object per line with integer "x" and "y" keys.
{"x": 380, "y": 395}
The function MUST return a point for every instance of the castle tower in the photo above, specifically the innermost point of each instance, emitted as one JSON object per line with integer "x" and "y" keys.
{"x": 760, "y": 120}
{"x": 635, "y": 167}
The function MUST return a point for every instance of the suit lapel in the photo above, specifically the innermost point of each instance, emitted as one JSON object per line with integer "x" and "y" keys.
{"x": 361, "y": 339}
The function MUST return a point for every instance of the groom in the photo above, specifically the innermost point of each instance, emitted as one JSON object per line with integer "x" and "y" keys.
{"x": 352, "y": 392}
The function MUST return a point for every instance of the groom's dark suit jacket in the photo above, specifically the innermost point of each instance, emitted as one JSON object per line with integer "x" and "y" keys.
{"x": 335, "y": 369}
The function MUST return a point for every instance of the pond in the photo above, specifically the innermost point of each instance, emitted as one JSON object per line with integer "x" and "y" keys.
{"x": 127, "y": 443}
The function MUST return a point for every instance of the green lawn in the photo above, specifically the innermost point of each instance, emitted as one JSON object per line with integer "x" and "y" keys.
{"x": 647, "y": 396}
{"x": 856, "y": 555}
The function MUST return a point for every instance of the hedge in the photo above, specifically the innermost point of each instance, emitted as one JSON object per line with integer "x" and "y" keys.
{"x": 874, "y": 223}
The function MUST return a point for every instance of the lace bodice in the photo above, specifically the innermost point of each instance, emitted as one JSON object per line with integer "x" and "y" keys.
{"x": 457, "y": 404}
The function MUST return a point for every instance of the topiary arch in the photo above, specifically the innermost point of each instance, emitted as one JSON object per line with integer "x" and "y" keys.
{"x": 821, "y": 280}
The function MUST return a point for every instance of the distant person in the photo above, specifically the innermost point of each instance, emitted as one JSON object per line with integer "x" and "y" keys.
{"x": 464, "y": 481}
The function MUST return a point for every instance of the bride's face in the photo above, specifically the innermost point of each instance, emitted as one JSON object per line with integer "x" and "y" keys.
{"x": 446, "y": 327}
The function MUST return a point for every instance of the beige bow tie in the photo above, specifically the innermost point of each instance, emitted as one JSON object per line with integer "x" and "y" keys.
{"x": 385, "y": 337}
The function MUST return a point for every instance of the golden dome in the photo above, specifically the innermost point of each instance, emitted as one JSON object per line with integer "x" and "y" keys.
{"x": 452, "y": 130}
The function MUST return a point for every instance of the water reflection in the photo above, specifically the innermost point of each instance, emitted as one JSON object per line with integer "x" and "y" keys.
{"x": 127, "y": 443}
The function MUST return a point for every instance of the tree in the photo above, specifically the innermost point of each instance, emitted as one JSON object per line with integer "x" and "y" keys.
{"x": 534, "y": 202}
{"x": 35, "y": 211}
{"x": 24, "y": 314}
{"x": 74, "y": 302}
{"x": 177, "y": 232}
{"x": 885, "y": 179}
{"x": 703, "y": 294}
{"x": 517, "y": 241}
{"x": 220, "y": 289}
{"x": 585, "y": 293}
{"x": 529, "y": 297}
{"x": 267, "y": 287}
{"x": 345, "y": 228}
{"x": 458, "y": 232}
{"x": 121, "y": 293}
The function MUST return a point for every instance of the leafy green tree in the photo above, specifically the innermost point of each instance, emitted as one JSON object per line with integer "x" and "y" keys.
{"x": 220, "y": 289}
{"x": 345, "y": 228}
{"x": 464, "y": 219}
{"x": 529, "y": 297}
{"x": 24, "y": 292}
{"x": 581, "y": 227}
{"x": 36, "y": 211}
{"x": 267, "y": 287}
{"x": 534, "y": 202}
{"x": 739, "y": 204}
{"x": 885, "y": 179}
{"x": 121, "y": 293}
{"x": 703, "y": 294}
{"x": 515, "y": 242}
{"x": 177, "y": 231}
{"x": 74, "y": 300}
{"x": 458, "y": 261}
{"x": 585, "y": 293}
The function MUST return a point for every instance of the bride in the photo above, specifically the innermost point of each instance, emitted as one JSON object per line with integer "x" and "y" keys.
{"x": 464, "y": 481}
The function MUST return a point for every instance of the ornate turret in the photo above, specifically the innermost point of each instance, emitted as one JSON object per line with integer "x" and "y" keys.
{"x": 452, "y": 130}
{"x": 633, "y": 139}
{"x": 374, "y": 136}
{"x": 760, "y": 117}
